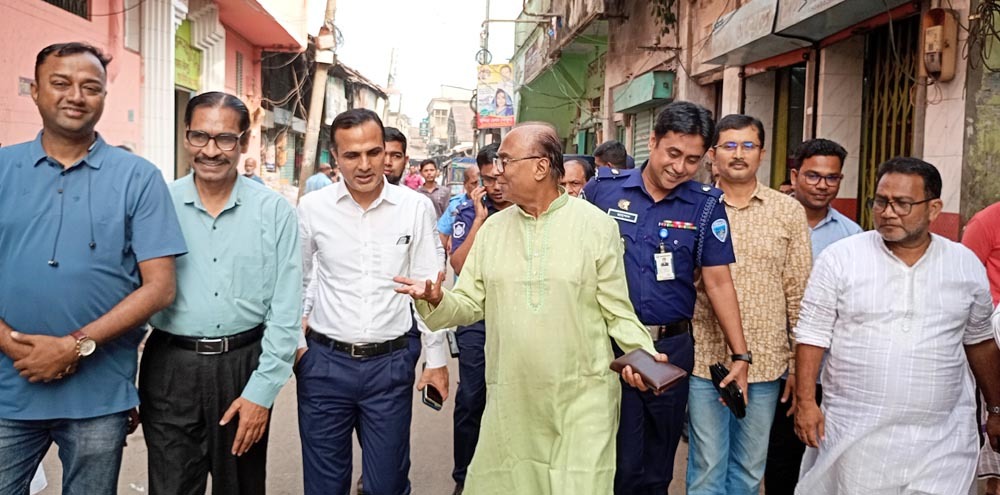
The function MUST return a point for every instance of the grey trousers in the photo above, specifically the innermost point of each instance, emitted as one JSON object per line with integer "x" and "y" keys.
{"x": 183, "y": 396}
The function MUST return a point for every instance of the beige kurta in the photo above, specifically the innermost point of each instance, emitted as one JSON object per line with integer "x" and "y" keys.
{"x": 552, "y": 291}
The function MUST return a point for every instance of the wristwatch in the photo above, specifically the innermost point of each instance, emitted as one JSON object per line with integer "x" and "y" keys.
{"x": 993, "y": 409}
{"x": 85, "y": 345}
{"x": 748, "y": 357}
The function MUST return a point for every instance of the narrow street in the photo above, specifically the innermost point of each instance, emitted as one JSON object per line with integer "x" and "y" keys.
{"x": 430, "y": 453}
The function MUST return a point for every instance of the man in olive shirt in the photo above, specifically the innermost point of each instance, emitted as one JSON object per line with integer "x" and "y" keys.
{"x": 225, "y": 347}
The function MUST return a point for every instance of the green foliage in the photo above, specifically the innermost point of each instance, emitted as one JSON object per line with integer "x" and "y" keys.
{"x": 663, "y": 12}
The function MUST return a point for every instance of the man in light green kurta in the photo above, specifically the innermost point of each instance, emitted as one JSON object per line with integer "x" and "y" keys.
{"x": 548, "y": 277}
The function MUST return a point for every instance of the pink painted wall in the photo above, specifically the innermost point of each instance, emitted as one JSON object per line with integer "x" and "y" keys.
{"x": 31, "y": 25}
{"x": 251, "y": 84}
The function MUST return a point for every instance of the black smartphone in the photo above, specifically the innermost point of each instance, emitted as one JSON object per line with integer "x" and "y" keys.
{"x": 432, "y": 398}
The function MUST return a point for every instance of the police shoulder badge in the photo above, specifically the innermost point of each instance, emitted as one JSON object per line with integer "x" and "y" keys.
{"x": 720, "y": 229}
{"x": 458, "y": 230}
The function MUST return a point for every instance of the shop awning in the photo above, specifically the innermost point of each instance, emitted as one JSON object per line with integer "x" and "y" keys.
{"x": 260, "y": 25}
{"x": 762, "y": 29}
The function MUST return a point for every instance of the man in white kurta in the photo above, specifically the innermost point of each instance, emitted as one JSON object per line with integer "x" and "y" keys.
{"x": 904, "y": 313}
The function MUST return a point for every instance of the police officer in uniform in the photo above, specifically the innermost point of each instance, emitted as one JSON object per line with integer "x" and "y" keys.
{"x": 675, "y": 232}
{"x": 470, "y": 398}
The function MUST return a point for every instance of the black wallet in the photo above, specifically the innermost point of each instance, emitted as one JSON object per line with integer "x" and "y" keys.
{"x": 731, "y": 393}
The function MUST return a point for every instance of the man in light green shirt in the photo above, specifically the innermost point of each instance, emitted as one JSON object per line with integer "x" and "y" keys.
{"x": 226, "y": 346}
{"x": 551, "y": 303}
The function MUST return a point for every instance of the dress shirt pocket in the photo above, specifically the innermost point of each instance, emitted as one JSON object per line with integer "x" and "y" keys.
{"x": 393, "y": 259}
{"x": 250, "y": 276}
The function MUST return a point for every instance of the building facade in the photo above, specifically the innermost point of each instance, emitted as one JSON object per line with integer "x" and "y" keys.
{"x": 852, "y": 71}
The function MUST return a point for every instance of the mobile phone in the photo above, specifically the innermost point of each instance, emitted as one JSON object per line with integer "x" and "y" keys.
{"x": 452, "y": 343}
{"x": 432, "y": 398}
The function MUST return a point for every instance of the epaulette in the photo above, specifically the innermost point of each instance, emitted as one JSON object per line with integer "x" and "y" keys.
{"x": 706, "y": 189}
{"x": 604, "y": 173}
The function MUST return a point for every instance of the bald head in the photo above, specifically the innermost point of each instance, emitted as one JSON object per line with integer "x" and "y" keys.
{"x": 542, "y": 140}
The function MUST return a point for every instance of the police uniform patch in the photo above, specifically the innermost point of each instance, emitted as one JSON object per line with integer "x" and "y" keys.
{"x": 624, "y": 204}
{"x": 720, "y": 229}
{"x": 458, "y": 230}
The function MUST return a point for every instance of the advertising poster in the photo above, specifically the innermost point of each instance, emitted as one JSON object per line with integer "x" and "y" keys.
{"x": 495, "y": 96}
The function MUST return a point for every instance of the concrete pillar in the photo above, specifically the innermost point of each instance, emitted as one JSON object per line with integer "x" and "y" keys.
{"x": 732, "y": 90}
{"x": 160, "y": 19}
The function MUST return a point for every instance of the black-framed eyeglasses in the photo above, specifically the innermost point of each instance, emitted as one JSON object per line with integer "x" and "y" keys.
{"x": 501, "y": 163}
{"x": 901, "y": 208}
{"x": 832, "y": 180}
{"x": 224, "y": 141}
{"x": 732, "y": 146}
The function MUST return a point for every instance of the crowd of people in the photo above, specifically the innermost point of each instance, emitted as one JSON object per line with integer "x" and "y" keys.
{"x": 856, "y": 354}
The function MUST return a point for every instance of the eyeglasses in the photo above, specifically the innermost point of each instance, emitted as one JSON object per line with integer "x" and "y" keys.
{"x": 731, "y": 146}
{"x": 812, "y": 178}
{"x": 224, "y": 141}
{"x": 488, "y": 180}
{"x": 501, "y": 163}
{"x": 901, "y": 208}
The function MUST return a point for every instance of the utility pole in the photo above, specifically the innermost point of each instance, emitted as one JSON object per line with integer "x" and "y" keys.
{"x": 324, "y": 43}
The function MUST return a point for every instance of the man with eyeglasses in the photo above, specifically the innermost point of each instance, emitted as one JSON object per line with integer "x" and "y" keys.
{"x": 903, "y": 315}
{"x": 771, "y": 241}
{"x": 817, "y": 172}
{"x": 470, "y": 398}
{"x": 219, "y": 355}
{"x": 665, "y": 221}
{"x": 552, "y": 305}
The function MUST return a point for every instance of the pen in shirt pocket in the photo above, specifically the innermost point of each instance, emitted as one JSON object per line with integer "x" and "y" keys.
{"x": 403, "y": 239}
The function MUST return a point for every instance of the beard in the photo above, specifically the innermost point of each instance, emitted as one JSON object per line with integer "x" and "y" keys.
{"x": 393, "y": 178}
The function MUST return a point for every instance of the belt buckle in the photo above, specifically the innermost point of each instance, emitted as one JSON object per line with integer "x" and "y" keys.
{"x": 211, "y": 347}
{"x": 354, "y": 354}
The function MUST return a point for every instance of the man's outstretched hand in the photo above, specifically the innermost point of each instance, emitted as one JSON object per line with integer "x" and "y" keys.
{"x": 422, "y": 290}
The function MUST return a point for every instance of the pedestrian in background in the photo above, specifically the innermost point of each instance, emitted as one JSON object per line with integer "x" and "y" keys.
{"x": 322, "y": 178}
{"x": 250, "y": 169}
{"x": 578, "y": 172}
{"x": 611, "y": 154}
{"x": 438, "y": 193}
{"x": 817, "y": 172}
{"x": 87, "y": 254}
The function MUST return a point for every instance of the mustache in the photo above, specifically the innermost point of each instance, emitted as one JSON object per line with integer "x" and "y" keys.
{"x": 211, "y": 161}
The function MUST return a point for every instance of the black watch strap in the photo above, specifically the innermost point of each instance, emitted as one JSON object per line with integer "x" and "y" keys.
{"x": 748, "y": 357}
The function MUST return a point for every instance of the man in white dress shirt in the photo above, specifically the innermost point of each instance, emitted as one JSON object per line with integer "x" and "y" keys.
{"x": 359, "y": 366}
{"x": 904, "y": 314}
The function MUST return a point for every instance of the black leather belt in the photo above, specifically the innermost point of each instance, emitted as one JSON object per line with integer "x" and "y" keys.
{"x": 669, "y": 330}
{"x": 211, "y": 346}
{"x": 359, "y": 351}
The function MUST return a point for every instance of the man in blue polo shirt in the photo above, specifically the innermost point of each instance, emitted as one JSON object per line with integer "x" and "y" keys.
{"x": 87, "y": 245}
{"x": 671, "y": 226}
{"x": 470, "y": 398}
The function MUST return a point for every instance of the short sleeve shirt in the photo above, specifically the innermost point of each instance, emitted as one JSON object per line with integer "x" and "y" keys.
{"x": 447, "y": 219}
{"x": 70, "y": 246}
{"x": 689, "y": 215}
{"x": 465, "y": 214}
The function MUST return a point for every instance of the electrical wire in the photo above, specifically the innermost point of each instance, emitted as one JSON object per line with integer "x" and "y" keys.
{"x": 983, "y": 34}
{"x": 126, "y": 9}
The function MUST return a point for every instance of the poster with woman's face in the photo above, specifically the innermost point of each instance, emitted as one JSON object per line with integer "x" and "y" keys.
{"x": 495, "y": 100}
